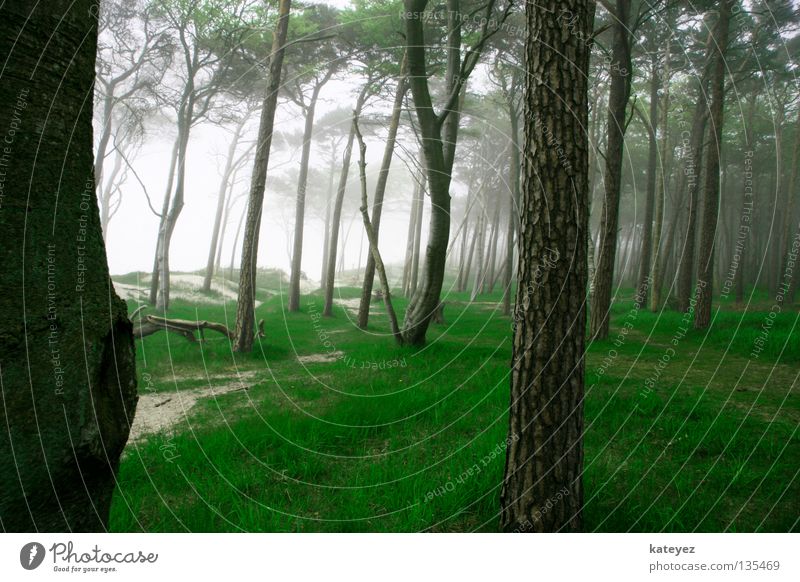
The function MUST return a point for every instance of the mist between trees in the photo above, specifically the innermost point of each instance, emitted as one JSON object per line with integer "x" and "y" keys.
{"x": 399, "y": 160}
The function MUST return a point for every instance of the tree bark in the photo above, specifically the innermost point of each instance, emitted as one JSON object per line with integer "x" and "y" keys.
{"x": 66, "y": 351}
{"x": 708, "y": 233}
{"x": 542, "y": 489}
{"x": 380, "y": 190}
{"x": 617, "y": 106}
{"x": 245, "y": 307}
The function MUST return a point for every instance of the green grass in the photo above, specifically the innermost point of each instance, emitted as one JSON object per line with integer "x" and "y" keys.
{"x": 361, "y": 443}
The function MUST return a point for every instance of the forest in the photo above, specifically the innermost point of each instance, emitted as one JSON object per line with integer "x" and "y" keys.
{"x": 400, "y": 266}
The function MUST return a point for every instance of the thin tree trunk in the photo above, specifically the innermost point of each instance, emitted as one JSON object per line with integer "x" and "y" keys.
{"x": 327, "y": 233}
{"x": 245, "y": 309}
{"x": 645, "y": 260}
{"x": 337, "y": 208}
{"x": 154, "y": 278}
{"x": 542, "y": 487}
{"x": 380, "y": 190}
{"x": 300, "y": 209}
{"x": 372, "y": 237}
{"x": 414, "y": 277}
{"x": 412, "y": 229}
{"x": 488, "y": 280}
{"x": 221, "y": 197}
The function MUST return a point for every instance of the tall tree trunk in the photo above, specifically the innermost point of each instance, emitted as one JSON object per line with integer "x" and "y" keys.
{"x": 439, "y": 137}
{"x": 373, "y": 238}
{"x": 645, "y": 260}
{"x": 245, "y": 307}
{"x": 154, "y": 277}
{"x": 300, "y": 209}
{"x": 661, "y": 191}
{"x": 176, "y": 205}
{"x": 221, "y": 196}
{"x": 333, "y": 244}
{"x": 691, "y": 185}
{"x": 380, "y": 190}
{"x": 617, "y": 106}
{"x": 705, "y": 265}
{"x": 542, "y": 489}
{"x": 66, "y": 350}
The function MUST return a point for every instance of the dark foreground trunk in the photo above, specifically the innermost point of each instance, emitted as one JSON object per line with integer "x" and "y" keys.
{"x": 542, "y": 488}
{"x": 66, "y": 347}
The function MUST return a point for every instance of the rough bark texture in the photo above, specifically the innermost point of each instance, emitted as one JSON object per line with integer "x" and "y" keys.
{"x": 66, "y": 349}
{"x": 708, "y": 233}
{"x": 617, "y": 106}
{"x": 245, "y": 308}
{"x": 380, "y": 191}
{"x": 542, "y": 489}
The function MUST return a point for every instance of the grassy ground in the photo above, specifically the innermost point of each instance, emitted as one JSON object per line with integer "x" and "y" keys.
{"x": 684, "y": 431}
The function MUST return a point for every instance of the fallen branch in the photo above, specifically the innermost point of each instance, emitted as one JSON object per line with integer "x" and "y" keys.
{"x": 151, "y": 324}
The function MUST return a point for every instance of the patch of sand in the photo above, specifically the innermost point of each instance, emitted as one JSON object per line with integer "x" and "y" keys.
{"x": 320, "y": 358}
{"x": 160, "y": 412}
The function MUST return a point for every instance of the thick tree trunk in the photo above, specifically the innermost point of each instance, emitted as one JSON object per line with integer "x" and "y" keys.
{"x": 691, "y": 185}
{"x": 708, "y": 233}
{"x": 245, "y": 307}
{"x": 645, "y": 259}
{"x": 333, "y": 244}
{"x": 542, "y": 489}
{"x": 380, "y": 190}
{"x": 300, "y": 208}
{"x": 661, "y": 192}
{"x": 617, "y": 106}
{"x": 66, "y": 351}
